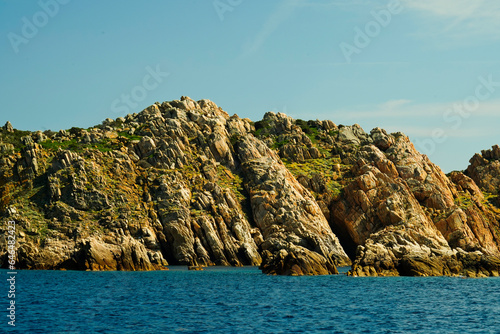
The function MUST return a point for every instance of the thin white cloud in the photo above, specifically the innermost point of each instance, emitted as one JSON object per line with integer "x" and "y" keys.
{"x": 427, "y": 120}
{"x": 450, "y": 21}
{"x": 280, "y": 15}
{"x": 408, "y": 109}
{"x": 446, "y": 8}
{"x": 393, "y": 104}
{"x": 458, "y": 19}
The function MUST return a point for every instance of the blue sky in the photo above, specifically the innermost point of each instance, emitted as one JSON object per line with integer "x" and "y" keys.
{"x": 430, "y": 69}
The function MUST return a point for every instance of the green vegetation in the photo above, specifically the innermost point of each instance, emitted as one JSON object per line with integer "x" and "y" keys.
{"x": 189, "y": 172}
{"x": 14, "y": 138}
{"x": 49, "y": 133}
{"x": 303, "y": 125}
{"x": 489, "y": 197}
{"x": 324, "y": 167}
{"x": 333, "y": 133}
{"x": 31, "y": 212}
{"x": 310, "y": 129}
{"x": 118, "y": 123}
{"x": 197, "y": 213}
{"x": 230, "y": 181}
{"x": 107, "y": 145}
{"x": 262, "y": 128}
{"x": 75, "y": 131}
{"x": 72, "y": 145}
{"x": 464, "y": 200}
{"x": 143, "y": 130}
{"x": 278, "y": 144}
{"x": 492, "y": 202}
{"x": 104, "y": 145}
{"x": 234, "y": 138}
{"x": 129, "y": 136}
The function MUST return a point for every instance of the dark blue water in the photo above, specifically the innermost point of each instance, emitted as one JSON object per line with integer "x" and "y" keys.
{"x": 242, "y": 300}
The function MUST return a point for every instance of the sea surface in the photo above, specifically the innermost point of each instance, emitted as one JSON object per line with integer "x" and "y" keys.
{"x": 243, "y": 300}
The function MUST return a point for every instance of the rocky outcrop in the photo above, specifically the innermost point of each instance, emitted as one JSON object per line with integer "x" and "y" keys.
{"x": 298, "y": 239}
{"x": 381, "y": 215}
{"x": 165, "y": 186}
{"x": 401, "y": 210}
{"x": 396, "y": 210}
{"x": 185, "y": 183}
{"x": 8, "y": 127}
{"x": 484, "y": 169}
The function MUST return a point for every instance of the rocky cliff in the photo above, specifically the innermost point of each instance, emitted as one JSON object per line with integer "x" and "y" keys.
{"x": 182, "y": 182}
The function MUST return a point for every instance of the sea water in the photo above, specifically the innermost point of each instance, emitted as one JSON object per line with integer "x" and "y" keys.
{"x": 243, "y": 300}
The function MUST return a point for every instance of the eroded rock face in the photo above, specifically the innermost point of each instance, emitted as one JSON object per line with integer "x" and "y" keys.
{"x": 381, "y": 214}
{"x": 297, "y": 236}
{"x": 401, "y": 210}
{"x": 484, "y": 169}
{"x": 182, "y": 182}
{"x": 427, "y": 182}
{"x": 137, "y": 193}
{"x": 397, "y": 210}
{"x": 166, "y": 186}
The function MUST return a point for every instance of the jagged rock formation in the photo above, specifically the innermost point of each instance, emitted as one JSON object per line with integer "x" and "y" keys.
{"x": 484, "y": 169}
{"x": 182, "y": 182}
{"x": 298, "y": 239}
{"x": 394, "y": 211}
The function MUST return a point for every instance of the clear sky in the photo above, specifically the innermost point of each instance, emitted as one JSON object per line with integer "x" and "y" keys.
{"x": 428, "y": 68}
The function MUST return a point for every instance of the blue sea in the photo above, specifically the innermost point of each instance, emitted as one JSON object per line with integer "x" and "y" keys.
{"x": 243, "y": 300}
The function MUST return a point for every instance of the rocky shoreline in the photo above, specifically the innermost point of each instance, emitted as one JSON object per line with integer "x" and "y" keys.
{"x": 184, "y": 183}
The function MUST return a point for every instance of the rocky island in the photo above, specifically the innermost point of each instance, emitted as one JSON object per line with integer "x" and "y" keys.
{"x": 184, "y": 183}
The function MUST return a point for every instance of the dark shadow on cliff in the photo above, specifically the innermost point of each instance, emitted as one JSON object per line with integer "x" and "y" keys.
{"x": 345, "y": 239}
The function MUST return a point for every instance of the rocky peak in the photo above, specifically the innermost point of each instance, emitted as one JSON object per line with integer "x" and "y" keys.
{"x": 492, "y": 154}
{"x": 381, "y": 139}
{"x": 484, "y": 169}
{"x": 8, "y": 127}
{"x": 353, "y": 135}
{"x": 182, "y": 182}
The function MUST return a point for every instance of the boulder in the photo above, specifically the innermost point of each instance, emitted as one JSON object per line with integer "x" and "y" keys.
{"x": 8, "y": 127}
